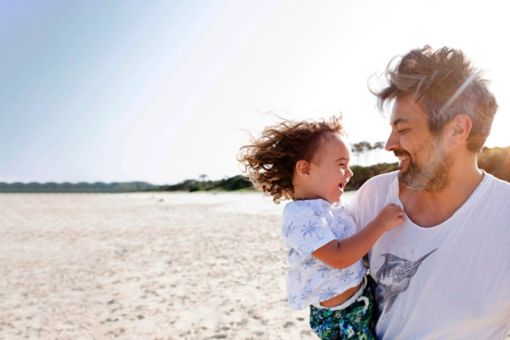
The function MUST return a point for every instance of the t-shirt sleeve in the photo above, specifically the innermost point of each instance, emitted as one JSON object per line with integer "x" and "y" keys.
{"x": 305, "y": 230}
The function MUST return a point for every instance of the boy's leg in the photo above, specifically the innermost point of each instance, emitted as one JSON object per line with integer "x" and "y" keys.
{"x": 324, "y": 323}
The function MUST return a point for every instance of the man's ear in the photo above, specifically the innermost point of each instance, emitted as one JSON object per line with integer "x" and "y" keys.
{"x": 460, "y": 127}
{"x": 303, "y": 167}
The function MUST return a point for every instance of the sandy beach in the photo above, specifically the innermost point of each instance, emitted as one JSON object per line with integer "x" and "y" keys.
{"x": 144, "y": 266}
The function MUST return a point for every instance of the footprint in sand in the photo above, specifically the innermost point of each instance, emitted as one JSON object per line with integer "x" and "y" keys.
{"x": 289, "y": 324}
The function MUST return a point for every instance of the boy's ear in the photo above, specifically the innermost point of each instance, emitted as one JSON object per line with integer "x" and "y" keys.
{"x": 303, "y": 167}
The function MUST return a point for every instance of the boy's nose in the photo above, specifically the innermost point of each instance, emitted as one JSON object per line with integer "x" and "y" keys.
{"x": 349, "y": 172}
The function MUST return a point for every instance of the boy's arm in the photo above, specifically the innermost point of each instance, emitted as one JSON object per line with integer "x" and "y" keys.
{"x": 342, "y": 254}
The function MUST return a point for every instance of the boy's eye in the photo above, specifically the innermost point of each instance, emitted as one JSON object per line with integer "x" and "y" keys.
{"x": 402, "y": 131}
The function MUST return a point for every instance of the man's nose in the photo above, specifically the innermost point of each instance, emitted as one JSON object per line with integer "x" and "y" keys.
{"x": 392, "y": 141}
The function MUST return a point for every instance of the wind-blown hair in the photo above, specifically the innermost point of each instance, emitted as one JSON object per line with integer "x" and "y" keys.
{"x": 444, "y": 84}
{"x": 270, "y": 160}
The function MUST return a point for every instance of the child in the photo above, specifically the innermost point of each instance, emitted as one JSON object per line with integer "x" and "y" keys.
{"x": 308, "y": 162}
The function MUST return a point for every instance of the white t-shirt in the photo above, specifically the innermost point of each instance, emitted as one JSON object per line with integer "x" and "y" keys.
{"x": 450, "y": 281}
{"x": 307, "y": 226}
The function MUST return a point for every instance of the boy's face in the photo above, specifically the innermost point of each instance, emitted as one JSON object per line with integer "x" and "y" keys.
{"x": 329, "y": 169}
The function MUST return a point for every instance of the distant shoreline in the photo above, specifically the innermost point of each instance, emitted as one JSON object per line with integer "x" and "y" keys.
{"x": 495, "y": 161}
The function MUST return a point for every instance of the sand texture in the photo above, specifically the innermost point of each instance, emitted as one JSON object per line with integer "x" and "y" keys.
{"x": 137, "y": 266}
{"x": 143, "y": 266}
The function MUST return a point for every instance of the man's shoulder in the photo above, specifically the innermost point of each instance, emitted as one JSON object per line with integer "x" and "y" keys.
{"x": 373, "y": 194}
{"x": 498, "y": 181}
{"x": 498, "y": 186}
{"x": 380, "y": 181}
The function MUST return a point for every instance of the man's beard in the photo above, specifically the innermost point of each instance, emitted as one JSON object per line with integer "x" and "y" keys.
{"x": 433, "y": 176}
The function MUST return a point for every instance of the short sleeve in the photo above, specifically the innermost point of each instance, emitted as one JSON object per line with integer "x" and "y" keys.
{"x": 305, "y": 228}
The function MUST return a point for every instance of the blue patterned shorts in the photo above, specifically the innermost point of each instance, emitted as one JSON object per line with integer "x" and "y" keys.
{"x": 357, "y": 321}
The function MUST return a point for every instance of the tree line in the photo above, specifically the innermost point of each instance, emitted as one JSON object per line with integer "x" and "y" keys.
{"x": 495, "y": 161}
{"x": 81, "y": 187}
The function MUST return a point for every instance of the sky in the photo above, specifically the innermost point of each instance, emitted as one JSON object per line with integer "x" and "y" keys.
{"x": 163, "y": 91}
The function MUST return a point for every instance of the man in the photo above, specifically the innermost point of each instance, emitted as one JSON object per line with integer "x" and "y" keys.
{"x": 445, "y": 273}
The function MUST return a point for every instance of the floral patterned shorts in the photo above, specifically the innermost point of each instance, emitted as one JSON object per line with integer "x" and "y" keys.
{"x": 357, "y": 321}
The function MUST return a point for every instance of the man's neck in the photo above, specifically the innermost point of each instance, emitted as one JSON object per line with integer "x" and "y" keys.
{"x": 428, "y": 209}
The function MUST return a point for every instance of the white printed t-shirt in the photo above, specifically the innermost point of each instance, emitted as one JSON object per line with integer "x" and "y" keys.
{"x": 450, "y": 281}
{"x": 307, "y": 226}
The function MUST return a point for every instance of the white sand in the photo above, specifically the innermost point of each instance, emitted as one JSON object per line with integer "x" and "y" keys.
{"x": 143, "y": 266}
{"x": 84, "y": 266}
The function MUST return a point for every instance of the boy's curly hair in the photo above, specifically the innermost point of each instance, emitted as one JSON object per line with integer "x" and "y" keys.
{"x": 270, "y": 160}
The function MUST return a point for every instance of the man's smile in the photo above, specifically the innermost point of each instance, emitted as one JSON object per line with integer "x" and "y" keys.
{"x": 403, "y": 158}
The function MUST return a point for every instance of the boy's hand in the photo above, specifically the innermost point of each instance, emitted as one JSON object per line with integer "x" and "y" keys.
{"x": 390, "y": 217}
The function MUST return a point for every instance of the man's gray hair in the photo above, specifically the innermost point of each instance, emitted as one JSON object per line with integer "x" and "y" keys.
{"x": 444, "y": 84}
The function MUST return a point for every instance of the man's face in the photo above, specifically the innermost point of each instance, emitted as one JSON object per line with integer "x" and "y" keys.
{"x": 424, "y": 165}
